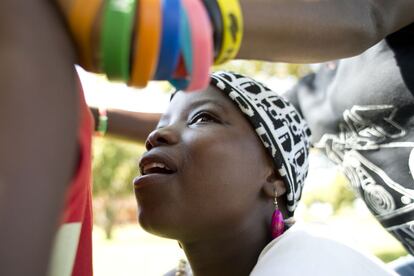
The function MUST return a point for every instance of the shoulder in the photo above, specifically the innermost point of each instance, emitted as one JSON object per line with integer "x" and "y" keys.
{"x": 302, "y": 252}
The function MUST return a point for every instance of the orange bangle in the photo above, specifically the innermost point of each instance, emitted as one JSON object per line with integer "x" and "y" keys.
{"x": 147, "y": 42}
{"x": 82, "y": 16}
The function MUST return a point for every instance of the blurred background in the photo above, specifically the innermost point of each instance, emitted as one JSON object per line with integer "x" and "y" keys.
{"x": 122, "y": 248}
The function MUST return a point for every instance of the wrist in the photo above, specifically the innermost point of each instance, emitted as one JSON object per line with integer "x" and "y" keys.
{"x": 102, "y": 123}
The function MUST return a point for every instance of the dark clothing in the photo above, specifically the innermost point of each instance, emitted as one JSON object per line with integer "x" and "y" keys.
{"x": 361, "y": 114}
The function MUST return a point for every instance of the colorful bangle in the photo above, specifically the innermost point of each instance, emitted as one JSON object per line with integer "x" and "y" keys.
{"x": 147, "y": 42}
{"x": 202, "y": 45}
{"x": 117, "y": 30}
{"x": 164, "y": 33}
{"x": 181, "y": 71}
{"x": 202, "y": 41}
{"x": 185, "y": 64}
{"x": 103, "y": 122}
{"x": 170, "y": 42}
{"x": 82, "y": 15}
{"x": 232, "y": 30}
{"x": 216, "y": 19}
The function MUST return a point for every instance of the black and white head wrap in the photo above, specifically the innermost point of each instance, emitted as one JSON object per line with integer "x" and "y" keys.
{"x": 281, "y": 128}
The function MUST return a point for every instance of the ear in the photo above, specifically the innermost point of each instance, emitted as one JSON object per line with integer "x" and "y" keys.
{"x": 274, "y": 182}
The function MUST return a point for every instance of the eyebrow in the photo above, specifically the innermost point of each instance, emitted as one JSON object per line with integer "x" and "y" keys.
{"x": 206, "y": 101}
{"x": 196, "y": 104}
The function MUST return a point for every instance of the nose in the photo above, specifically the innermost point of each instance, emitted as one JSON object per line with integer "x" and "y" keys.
{"x": 161, "y": 137}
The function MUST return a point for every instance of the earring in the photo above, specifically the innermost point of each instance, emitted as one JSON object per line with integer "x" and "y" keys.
{"x": 278, "y": 225}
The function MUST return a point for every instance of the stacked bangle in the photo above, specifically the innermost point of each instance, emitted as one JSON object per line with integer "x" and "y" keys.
{"x": 170, "y": 42}
{"x": 141, "y": 40}
{"x": 147, "y": 42}
{"x": 232, "y": 30}
{"x": 116, "y": 37}
{"x": 202, "y": 42}
{"x": 185, "y": 65}
{"x": 82, "y": 15}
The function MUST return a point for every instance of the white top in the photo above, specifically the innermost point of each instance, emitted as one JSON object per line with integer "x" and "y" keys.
{"x": 300, "y": 252}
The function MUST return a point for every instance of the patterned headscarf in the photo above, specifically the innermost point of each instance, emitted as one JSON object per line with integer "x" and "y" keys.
{"x": 282, "y": 130}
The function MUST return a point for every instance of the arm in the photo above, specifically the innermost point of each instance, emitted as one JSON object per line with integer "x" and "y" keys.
{"x": 133, "y": 126}
{"x": 38, "y": 122}
{"x": 304, "y": 31}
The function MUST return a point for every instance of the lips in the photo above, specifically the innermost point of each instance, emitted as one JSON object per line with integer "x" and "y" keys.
{"x": 153, "y": 166}
{"x": 157, "y": 162}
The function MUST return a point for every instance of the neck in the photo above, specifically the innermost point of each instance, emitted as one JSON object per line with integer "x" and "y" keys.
{"x": 233, "y": 254}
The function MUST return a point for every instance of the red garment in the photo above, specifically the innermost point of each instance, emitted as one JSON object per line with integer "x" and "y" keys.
{"x": 78, "y": 202}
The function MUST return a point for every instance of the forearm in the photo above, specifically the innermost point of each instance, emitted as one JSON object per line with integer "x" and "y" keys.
{"x": 126, "y": 125}
{"x": 38, "y": 119}
{"x": 304, "y": 31}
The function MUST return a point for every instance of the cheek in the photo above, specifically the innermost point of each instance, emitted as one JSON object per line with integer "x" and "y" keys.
{"x": 223, "y": 170}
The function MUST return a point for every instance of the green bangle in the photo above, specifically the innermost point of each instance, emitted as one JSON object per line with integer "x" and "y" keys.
{"x": 103, "y": 122}
{"x": 117, "y": 30}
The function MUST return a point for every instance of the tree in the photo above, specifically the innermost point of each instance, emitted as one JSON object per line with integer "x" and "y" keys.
{"x": 114, "y": 168}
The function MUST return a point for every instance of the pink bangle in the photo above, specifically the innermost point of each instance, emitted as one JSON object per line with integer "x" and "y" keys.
{"x": 202, "y": 41}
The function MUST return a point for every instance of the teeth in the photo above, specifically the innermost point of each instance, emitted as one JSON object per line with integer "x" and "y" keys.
{"x": 154, "y": 165}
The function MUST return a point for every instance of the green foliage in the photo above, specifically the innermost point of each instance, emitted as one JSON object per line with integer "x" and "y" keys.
{"x": 339, "y": 194}
{"x": 390, "y": 254}
{"x": 114, "y": 167}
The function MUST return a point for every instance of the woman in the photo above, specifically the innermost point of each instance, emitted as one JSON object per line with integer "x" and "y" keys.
{"x": 220, "y": 188}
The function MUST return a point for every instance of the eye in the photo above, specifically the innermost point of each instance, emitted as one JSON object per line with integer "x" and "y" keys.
{"x": 203, "y": 117}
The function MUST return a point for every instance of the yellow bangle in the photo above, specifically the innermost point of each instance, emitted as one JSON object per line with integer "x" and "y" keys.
{"x": 82, "y": 15}
{"x": 232, "y": 30}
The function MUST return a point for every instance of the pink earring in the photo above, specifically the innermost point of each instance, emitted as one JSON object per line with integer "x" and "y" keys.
{"x": 278, "y": 225}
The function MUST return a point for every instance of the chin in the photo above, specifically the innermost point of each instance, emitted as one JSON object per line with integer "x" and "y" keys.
{"x": 156, "y": 225}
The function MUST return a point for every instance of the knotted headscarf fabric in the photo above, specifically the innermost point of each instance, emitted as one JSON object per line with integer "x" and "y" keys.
{"x": 282, "y": 130}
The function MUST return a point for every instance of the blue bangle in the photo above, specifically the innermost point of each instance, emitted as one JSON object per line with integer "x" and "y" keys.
{"x": 186, "y": 51}
{"x": 170, "y": 43}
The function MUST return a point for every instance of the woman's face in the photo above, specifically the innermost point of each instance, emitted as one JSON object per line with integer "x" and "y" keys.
{"x": 204, "y": 171}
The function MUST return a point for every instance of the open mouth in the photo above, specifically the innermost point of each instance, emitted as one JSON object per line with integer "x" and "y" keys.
{"x": 155, "y": 168}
